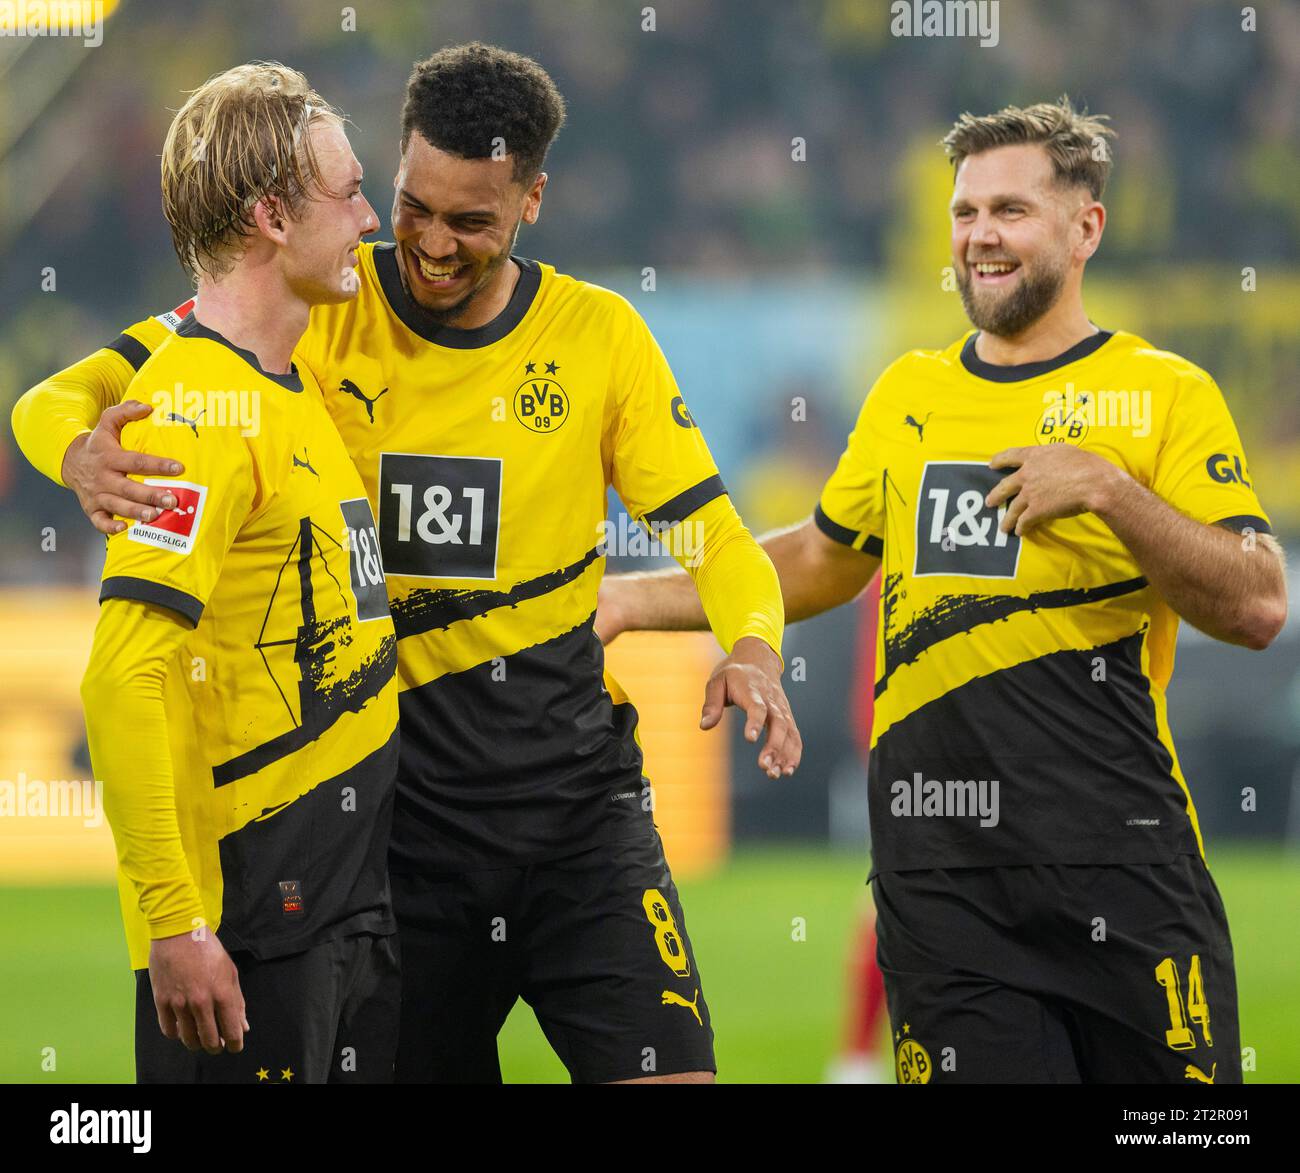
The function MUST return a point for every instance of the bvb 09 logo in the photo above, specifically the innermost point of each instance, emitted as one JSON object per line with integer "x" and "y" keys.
{"x": 913, "y": 1062}
{"x": 1066, "y": 421}
{"x": 541, "y": 405}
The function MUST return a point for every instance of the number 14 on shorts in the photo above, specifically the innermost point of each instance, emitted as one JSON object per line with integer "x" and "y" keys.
{"x": 1180, "y": 1036}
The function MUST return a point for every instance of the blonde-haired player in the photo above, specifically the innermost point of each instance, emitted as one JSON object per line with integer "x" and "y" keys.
{"x": 240, "y": 700}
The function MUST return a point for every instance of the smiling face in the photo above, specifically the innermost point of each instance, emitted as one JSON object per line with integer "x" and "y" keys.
{"x": 320, "y": 253}
{"x": 455, "y": 221}
{"x": 1018, "y": 237}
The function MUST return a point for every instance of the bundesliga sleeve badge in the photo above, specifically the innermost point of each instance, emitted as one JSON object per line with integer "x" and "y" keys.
{"x": 173, "y": 529}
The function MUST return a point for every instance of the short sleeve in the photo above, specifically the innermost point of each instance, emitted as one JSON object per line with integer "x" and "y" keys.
{"x": 175, "y": 560}
{"x": 851, "y": 509}
{"x": 1201, "y": 467}
{"x": 661, "y": 466}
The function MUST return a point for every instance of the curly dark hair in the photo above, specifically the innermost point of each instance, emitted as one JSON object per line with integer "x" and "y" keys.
{"x": 466, "y": 96}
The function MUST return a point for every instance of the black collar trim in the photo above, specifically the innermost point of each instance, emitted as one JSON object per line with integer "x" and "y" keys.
{"x": 418, "y": 322}
{"x": 191, "y": 327}
{"x": 1030, "y": 370}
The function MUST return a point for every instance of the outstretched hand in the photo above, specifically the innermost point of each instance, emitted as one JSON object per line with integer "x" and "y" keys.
{"x": 750, "y": 679}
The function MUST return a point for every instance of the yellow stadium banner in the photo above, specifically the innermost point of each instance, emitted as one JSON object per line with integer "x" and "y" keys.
{"x": 52, "y": 827}
{"x": 664, "y": 673}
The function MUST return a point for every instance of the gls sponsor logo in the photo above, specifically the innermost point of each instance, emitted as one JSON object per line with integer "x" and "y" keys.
{"x": 1227, "y": 470}
{"x": 956, "y": 533}
{"x": 682, "y": 414}
{"x": 77, "y": 1125}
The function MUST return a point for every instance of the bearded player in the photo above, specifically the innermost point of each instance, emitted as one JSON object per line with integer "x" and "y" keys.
{"x": 1044, "y": 909}
{"x": 489, "y": 402}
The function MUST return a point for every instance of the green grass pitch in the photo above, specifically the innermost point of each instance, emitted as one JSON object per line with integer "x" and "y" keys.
{"x": 771, "y": 932}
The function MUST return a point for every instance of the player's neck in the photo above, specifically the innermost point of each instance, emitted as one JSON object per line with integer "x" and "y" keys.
{"x": 1062, "y": 327}
{"x": 241, "y": 309}
{"x": 495, "y": 298}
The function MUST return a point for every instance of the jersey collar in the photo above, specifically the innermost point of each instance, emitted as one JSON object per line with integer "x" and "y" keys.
{"x": 191, "y": 327}
{"x": 1029, "y": 370}
{"x": 416, "y": 320}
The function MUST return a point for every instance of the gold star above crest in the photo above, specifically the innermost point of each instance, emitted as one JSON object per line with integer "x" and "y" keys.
{"x": 263, "y": 1074}
{"x": 907, "y": 1029}
{"x": 286, "y": 1074}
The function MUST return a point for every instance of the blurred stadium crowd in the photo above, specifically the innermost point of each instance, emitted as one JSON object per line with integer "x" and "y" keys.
{"x": 775, "y": 280}
{"x": 678, "y": 156}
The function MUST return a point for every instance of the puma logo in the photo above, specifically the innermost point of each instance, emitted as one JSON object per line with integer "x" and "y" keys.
{"x": 175, "y": 417}
{"x": 671, "y": 998}
{"x": 920, "y": 428}
{"x": 305, "y": 462}
{"x": 348, "y": 387}
{"x": 1194, "y": 1072}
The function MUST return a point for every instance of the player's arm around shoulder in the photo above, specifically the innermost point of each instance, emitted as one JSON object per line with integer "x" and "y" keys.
{"x": 69, "y": 428}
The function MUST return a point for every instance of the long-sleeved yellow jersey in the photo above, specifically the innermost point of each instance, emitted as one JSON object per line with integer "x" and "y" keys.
{"x": 248, "y": 747}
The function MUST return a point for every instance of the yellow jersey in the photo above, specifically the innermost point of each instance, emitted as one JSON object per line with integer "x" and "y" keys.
{"x": 1019, "y": 712}
{"x": 487, "y": 455}
{"x": 285, "y": 694}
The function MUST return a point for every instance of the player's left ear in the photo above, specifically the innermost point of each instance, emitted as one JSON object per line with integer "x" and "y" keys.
{"x": 1090, "y": 224}
{"x": 533, "y": 199}
{"x": 269, "y": 218}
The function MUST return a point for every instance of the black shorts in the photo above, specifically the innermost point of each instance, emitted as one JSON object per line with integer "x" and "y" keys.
{"x": 1059, "y": 974}
{"x": 595, "y": 943}
{"x": 326, "y": 1015}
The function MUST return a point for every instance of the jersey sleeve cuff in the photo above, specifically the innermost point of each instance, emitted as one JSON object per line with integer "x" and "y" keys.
{"x": 679, "y": 508}
{"x": 143, "y": 590}
{"x": 134, "y": 351}
{"x": 174, "y": 926}
{"x": 845, "y": 536}
{"x": 60, "y": 442}
{"x": 1244, "y": 521}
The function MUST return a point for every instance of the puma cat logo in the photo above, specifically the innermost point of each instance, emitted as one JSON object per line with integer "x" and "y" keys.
{"x": 348, "y": 387}
{"x": 920, "y": 428}
{"x": 1194, "y": 1072}
{"x": 177, "y": 418}
{"x": 671, "y": 998}
{"x": 305, "y": 462}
